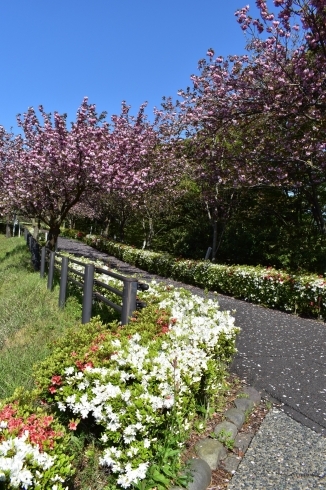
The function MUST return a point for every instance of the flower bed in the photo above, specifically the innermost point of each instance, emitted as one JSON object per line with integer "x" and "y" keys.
{"x": 132, "y": 389}
{"x": 300, "y": 294}
{"x": 33, "y": 448}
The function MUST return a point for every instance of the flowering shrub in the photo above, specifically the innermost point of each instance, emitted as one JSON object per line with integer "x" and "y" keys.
{"x": 136, "y": 385}
{"x": 302, "y": 294}
{"x": 33, "y": 449}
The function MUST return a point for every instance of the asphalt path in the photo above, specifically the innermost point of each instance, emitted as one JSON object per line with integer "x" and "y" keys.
{"x": 281, "y": 355}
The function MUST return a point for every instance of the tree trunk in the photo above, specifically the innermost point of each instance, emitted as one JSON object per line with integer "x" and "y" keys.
{"x": 150, "y": 232}
{"x": 36, "y": 229}
{"x": 212, "y": 216}
{"x": 53, "y": 237}
{"x": 122, "y": 225}
{"x": 214, "y": 248}
{"x": 145, "y": 234}
{"x": 122, "y": 230}
{"x": 318, "y": 215}
{"x": 316, "y": 208}
{"x": 107, "y": 222}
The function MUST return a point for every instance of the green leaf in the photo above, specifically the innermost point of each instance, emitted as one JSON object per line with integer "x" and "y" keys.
{"x": 167, "y": 470}
{"x": 183, "y": 479}
{"x": 158, "y": 477}
{"x": 169, "y": 453}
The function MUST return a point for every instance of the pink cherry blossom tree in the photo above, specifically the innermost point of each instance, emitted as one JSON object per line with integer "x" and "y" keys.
{"x": 9, "y": 147}
{"x": 146, "y": 169}
{"x": 259, "y": 119}
{"x": 54, "y": 167}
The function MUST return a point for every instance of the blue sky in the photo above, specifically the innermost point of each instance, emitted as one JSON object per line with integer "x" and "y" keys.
{"x": 55, "y": 53}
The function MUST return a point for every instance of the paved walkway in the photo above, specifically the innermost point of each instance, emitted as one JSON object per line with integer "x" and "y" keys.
{"x": 283, "y": 455}
{"x": 283, "y": 356}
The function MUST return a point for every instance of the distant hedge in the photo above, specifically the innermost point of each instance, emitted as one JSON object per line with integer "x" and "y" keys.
{"x": 266, "y": 286}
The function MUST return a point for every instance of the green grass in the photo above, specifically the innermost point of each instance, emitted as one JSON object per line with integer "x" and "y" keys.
{"x": 29, "y": 316}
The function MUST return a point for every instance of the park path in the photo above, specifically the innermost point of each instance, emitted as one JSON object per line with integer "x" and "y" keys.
{"x": 279, "y": 354}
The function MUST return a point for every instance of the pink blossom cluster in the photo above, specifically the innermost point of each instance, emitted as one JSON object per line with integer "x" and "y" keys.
{"x": 259, "y": 119}
{"x": 53, "y": 168}
{"x": 38, "y": 427}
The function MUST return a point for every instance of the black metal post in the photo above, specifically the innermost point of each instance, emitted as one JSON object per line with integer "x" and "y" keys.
{"x": 43, "y": 255}
{"x": 88, "y": 293}
{"x": 36, "y": 259}
{"x": 128, "y": 299}
{"x": 63, "y": 282}
{"x": 51, "y": 271}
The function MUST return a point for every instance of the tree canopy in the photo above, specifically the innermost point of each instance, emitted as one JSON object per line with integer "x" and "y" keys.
{"x": 253, "y": 121}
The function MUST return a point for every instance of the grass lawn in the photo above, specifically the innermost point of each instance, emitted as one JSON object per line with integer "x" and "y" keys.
{"x": 29, "y": 316}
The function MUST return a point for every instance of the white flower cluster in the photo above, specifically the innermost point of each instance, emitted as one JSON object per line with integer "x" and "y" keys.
{"x": 19, "y": 460}
{"x": 98, "y": 275}
{"x": 199, "y": 320}
{"x": 157, "y": 376}
{"x": 131, "y": 475}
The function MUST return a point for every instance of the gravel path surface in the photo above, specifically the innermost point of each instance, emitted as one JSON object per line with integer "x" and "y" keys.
{"x": 283, "y": 455}
{"x": 282, "y": 356}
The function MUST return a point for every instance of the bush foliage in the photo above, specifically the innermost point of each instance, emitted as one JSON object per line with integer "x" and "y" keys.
{"x": 303, "y": 294}
{"x": 121, "y": 396}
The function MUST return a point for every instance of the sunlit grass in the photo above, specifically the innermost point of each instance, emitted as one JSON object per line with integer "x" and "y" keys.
{"x": 29, "y": 316}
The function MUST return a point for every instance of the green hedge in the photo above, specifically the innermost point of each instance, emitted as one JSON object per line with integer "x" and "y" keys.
{"x": 301, "y": 294}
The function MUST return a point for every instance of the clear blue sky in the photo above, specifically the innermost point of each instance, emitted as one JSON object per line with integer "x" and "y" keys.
{"x": 56, "y": 52}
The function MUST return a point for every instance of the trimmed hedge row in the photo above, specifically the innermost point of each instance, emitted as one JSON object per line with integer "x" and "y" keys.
{"x": 300, "y": 294}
